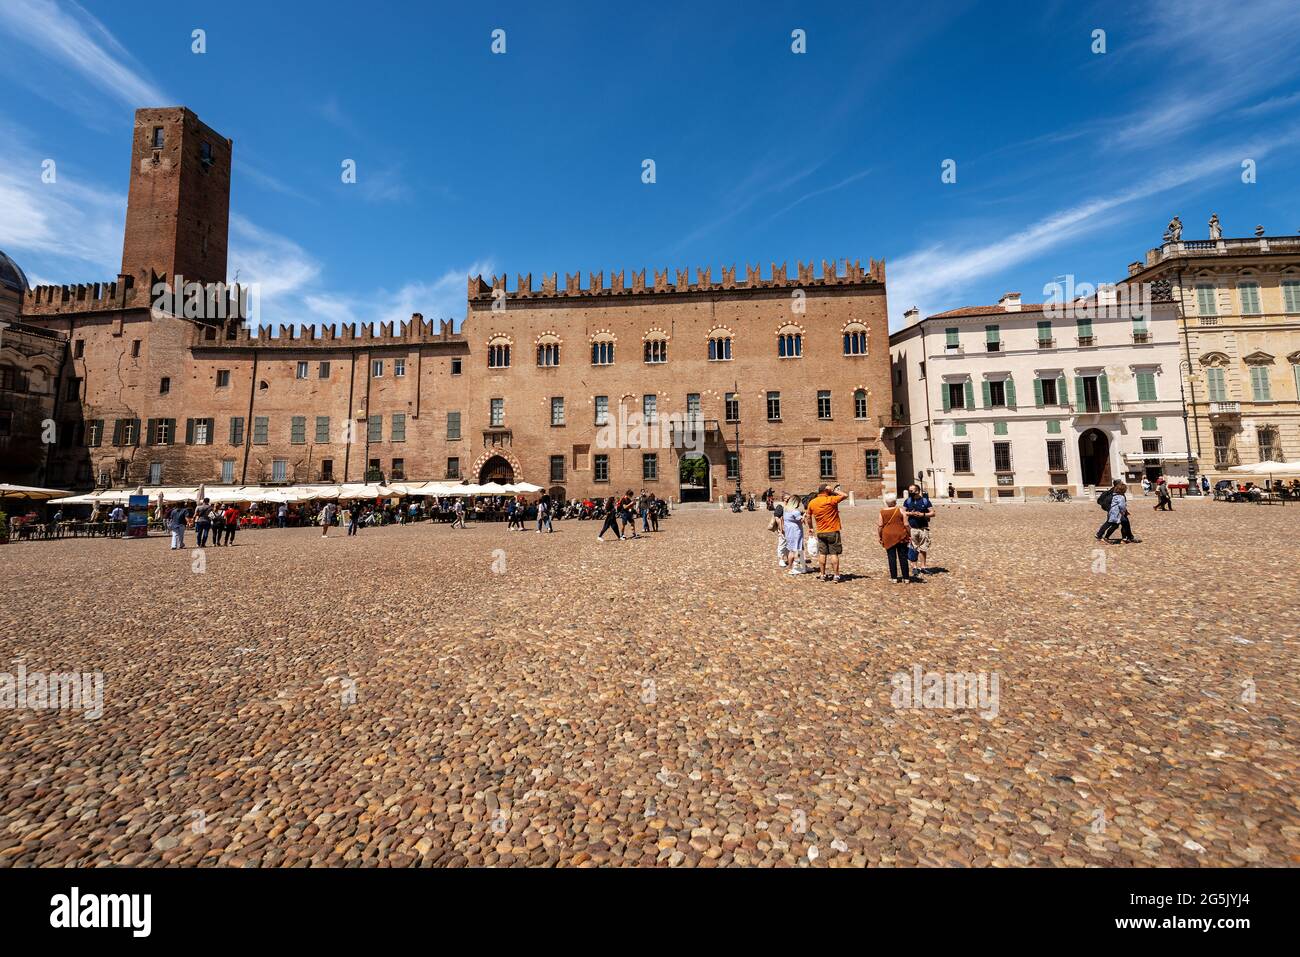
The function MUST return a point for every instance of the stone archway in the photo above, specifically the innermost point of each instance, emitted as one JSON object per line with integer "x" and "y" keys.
{"x": 496, "y": 469}
{"x": 477, "y": 471}
{"x": 1094, "y": 458}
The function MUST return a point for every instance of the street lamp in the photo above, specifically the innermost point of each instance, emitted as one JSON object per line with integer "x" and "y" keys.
{"x": 736, "y": 393}
{"x": 1193, "y": 486}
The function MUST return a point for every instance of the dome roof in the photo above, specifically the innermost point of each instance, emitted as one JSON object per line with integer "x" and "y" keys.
{"x": 11, "y": 277}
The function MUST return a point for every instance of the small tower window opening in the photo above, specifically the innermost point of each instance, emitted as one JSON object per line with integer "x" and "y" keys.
{"x": 158, "y": 137}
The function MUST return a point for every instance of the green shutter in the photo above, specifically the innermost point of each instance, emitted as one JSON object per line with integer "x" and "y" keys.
{"x": 1044, "y": 329}
{"x": 1084, "y": 328}
{"x": 991, "y": 333}
{"x": 959, "y": 429}
{"x": 947, "y": 397}
{"x": 1214, "y": 384}
{"x": 1205, "y": 301}
{"x": 1295, "y": 371}
{"x": 1062, "y": 393}
{"x": 999, "y": 428}
{"x": 189, "y": 431}
{"x": 970, "y": 394}
{"x": 1146, "y": 383}
{"x": 153, "y": 432}
{"x": 1249, "y": 292}
{"x": 1103, "y": 390}
{"x": 1053, "y": 426}
{"x": 1011, "y": 392}
{"x": 1291, "y": 297}
{"x": 952, "y": 332}
{"x": 1148, "y": 423}
{"x": 1259, "y": 383}
{"x": 984, "y": 386}
{"x": 1139, "y": 324}
{"x": 1078, "y": 392}
{"x": 1038, "y": 392}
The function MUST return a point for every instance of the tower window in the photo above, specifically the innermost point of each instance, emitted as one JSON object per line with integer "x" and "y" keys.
{"x": 157, "y": 137}
{"x": 205, "y": 154}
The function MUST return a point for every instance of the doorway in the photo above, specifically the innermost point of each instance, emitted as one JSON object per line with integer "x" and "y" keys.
{"x": 693, "y": 475}
{"x": 1094, "y": 457}
{"x": 496, "y": 469}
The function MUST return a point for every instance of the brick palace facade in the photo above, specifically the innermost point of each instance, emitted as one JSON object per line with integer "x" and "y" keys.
{"x": 784, "y": 377}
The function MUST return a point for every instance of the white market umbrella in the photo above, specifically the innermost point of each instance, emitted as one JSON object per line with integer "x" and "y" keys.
{"x": 30, "y": 492}
{"x": 1274, "y": 469}
{"x": 526, "y": 487}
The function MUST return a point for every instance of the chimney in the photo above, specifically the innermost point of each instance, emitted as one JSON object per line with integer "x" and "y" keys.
{"x": 1010, "y": 301}
{"x": 912, "y": 315}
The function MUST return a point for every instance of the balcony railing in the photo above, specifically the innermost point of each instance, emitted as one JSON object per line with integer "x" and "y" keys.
{"x": 1087, "y": 340}
{"x": 1046, "y": 343}
{"x": 1225, "y": 408}
{"x": 1141, "y": 337}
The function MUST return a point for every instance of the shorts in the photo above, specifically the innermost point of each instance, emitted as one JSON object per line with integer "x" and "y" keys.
{"x": 921, "y": 539}
{"x": 830, "y": 542}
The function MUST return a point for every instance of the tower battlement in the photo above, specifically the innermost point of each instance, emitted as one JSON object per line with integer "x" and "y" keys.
{"x": 679, "y": 281}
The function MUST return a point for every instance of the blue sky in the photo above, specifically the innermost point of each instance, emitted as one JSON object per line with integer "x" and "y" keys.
{"x": 1067, "y": 160}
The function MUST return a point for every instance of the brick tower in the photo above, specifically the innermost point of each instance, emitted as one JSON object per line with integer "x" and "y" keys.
{"x": 178, "y": 206}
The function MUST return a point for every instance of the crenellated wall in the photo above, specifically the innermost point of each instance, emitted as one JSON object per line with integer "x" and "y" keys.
{"x": 679, "y": 282}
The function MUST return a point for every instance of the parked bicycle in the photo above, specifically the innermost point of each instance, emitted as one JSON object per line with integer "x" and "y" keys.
{"x": 1058, "y": 495}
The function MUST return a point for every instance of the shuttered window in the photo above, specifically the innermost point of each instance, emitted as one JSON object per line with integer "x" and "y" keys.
{"x": 1249, "y": 293}
{"x": 1291, "y": 297}
{"x": 398, "y": 428}
{"x": 322, "y": 429}
{"x": 298, "y": 429}
{"x": 1206, "y": 300}
{"x": 375, "y": 428}
{"x": 1146, "y": 383}
{"x": 1214, "y": 381}
{"x": 1259, "y": 384}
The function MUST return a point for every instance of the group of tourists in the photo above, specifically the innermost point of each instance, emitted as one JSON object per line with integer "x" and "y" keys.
{"x": 213, "y": 524}
{"x": 809, "y": 533}
{"x": 621, "y": 514}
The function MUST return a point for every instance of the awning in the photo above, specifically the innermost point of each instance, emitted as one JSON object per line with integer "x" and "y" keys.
{"x": 1273, "y": 469}
{"x": 1137, "y": 458}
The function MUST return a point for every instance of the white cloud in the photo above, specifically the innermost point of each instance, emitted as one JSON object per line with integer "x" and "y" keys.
{"x": 933, "y": 277}
{"x": 440, "y": 298}
{"x": 74, "y": 38}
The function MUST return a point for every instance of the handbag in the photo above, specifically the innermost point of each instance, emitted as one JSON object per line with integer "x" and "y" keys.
{"x": 911, "y": 554}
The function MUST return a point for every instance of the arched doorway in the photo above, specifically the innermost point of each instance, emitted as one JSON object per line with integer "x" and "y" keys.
{"x": 1094, "y": 457}
{"x": 496, "y": 469}
{"x": 693, "y": 477}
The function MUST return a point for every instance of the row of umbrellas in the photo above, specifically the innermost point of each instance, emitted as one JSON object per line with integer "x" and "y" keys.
{"x": 346, "y": 491}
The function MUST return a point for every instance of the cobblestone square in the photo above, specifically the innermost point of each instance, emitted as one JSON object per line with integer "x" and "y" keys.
{"x": 427, "y": 696}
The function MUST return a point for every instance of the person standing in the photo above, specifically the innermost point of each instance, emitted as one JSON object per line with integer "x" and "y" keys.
{"x": 327, "y": 518}
{"x": 354, "y": 516}
{"x": 282, "y": 515}
{"x": 919, "y": 510}
{"x": 1205, "y": 485}
{"x": 892, "y": 530}
{"x": 218, "y": 524}
{"x": 1146, "y": 486}
{"x": 825, "y": 510}
{"x": 654, "y": 512}
{"x": 777, "y": 525}
{"x": 176, "y": 522}
{"x": 231, "y": 517}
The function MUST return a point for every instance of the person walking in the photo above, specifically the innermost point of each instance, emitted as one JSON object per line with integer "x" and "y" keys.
{"x": 892, "y": 530}
{"x": 1164, "y": 497}
{"x": 458, "y": 512}
{"x": 1115, "y": 501}
{"x": 327, "y": 518}
{"x": 354, "y": 518}
{"x": 643, "y": 509}
{"x": 1205, "y": 485}
{"x": 202, "y": 522}
{"x": 825, "y": 510}
{"x": 176, "y": 522}
{"x": 1146, "y": 486}
{"x": 611, "y": 520}
{"x": 282, "y": 515}
{"x": 919, "y": 510}
{"x": 792, "y": 525}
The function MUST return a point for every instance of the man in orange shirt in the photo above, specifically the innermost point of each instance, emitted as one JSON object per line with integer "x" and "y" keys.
{"x": 825, "y": 511}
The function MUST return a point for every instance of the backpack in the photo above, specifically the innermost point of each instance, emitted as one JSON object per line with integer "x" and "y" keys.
{"x": 1104, "y": 499}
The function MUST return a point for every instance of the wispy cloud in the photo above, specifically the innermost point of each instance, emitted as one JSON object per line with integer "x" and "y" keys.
{"x": 66, "y": 224}
{"x": 69, "y": 35}
{"x": 933, "y": 277}
{"x": 440, "y": 298}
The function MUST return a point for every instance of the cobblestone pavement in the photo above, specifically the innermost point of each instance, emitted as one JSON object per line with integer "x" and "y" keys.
{"x": 423, "y": 695}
